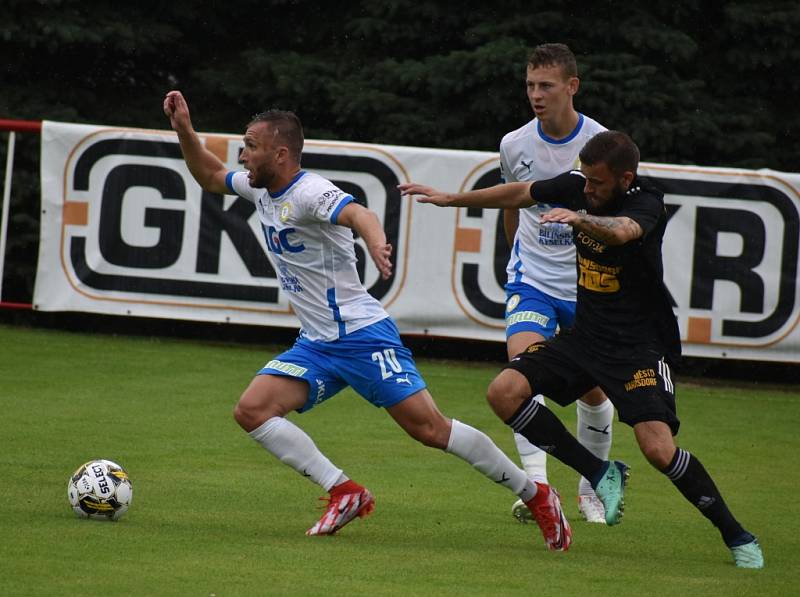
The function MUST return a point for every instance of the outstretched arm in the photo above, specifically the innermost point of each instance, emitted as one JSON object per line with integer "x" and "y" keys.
{"x": 368, "y": 227}
{"x": 206, "y": 168}
{"x": 512, "y": 194}
{"x": 610, "y": 230}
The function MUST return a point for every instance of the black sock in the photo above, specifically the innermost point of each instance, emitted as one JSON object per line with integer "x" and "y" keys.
{"x": 690, "y": 477}
{"x": 542, "y": 428}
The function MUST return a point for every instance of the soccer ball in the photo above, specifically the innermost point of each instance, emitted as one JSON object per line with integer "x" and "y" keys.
{"x": 100, "y": 489}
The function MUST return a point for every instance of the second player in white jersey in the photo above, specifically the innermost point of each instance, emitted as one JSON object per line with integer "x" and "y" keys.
{"x": 543, "y": 255}
{"x": 314, "y": 258}
{"x": 541, "y": 291}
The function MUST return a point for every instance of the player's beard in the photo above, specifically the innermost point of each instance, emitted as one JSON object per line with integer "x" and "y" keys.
{"x": 602, "y": 207}
{"x": 260, "y": 178}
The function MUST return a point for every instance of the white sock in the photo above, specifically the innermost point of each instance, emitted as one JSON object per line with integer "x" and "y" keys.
{"x": 594, "y": 433}
{"x": 292, "y": 446}
{"x": 476, "y": 448}
{"x": 534, "y": 460}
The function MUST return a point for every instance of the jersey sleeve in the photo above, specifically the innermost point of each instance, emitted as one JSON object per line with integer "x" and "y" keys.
{"x": 643, "y": 208}
{"x": 565, "y": 189}
{"x": 237, "y": 184}
{"x": 323, "y": 201}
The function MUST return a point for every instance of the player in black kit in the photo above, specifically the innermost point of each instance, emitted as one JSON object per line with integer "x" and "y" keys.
{"x": 625, "y": 337}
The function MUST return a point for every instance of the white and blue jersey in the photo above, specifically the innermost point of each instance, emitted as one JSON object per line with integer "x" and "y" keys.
{"x": 543, "y": 255}
{"x": 346, "y": 338}
{"x": 542, "y": 282}
{"x": 313, "y": 257}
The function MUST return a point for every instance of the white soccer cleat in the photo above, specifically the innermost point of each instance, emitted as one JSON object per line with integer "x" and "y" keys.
{"x": 591, "y": 508}
{"x": 521, "y": 512}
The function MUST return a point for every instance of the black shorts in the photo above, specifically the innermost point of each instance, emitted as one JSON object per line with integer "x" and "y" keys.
{"x": 637, "y": 380}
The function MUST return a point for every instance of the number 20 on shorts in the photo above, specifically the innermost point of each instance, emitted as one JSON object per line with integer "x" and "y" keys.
{"x": 387, "y": 356}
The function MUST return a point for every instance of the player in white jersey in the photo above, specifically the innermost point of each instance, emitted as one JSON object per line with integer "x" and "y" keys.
{"x": 541, "y": 288}
{"x": 346, "y": 338}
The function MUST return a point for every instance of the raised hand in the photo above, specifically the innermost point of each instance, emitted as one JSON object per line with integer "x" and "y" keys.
{"x": 177, "y": 110}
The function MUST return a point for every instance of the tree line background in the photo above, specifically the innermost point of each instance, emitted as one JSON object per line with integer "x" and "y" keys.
{"x": 694, "y": 82}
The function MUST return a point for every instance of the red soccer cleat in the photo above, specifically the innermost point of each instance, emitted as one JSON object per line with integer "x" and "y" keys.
{"x": 546, "y": 509}
{"x": 347, "y": 501}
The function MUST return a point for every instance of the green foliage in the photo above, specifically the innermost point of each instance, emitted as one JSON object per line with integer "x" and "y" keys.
{"x": 697, "y": 81}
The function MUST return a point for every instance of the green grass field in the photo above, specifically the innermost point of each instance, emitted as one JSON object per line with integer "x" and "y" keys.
{"x": 213, "y": 514}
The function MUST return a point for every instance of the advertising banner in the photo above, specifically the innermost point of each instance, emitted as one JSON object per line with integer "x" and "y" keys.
{"x": 126, "y": 230}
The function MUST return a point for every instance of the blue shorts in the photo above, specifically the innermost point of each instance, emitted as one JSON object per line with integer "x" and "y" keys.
{"x": 531, "y": 310}
{"x": 372, "y": 360}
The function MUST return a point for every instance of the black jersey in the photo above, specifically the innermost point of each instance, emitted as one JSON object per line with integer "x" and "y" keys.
{"x": 622, "y": 298}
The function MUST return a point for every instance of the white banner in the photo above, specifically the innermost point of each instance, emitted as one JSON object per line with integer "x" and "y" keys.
{"x": 125, "y": 230}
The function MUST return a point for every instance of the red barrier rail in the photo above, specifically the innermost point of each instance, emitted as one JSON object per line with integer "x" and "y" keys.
{"x": 12, "y": 126}
{"x": 21, "y": 126}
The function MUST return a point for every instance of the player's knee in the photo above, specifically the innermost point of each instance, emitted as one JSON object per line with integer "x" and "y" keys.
{"x": 594, "y": 397}
{"x": 496, "y": 392}
{"x": 493, "y": 396}
{"x": 250, "y": 413}
{"x": 245, "y": 416}
{"x": 434, "y": 434}
{"x": 656, "y": 443}
{"x": 429, "y": 437}
{"x": 658, "y": 454}
{"x": 503, "y": 394}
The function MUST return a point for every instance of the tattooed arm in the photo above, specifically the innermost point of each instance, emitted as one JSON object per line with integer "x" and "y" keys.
{"x": 610, "y": 230}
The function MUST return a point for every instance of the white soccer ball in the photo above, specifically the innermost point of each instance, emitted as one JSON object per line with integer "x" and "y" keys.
{"x": 100, "y": 489}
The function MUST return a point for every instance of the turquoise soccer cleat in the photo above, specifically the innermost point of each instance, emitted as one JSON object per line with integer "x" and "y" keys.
{"x": 748, "y": 555}
{"x": 611, "y": 490}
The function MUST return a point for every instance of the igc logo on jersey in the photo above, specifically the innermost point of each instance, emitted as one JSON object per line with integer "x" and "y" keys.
{"x": 278, "y": 240}
{"x": 137, "y": 227}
